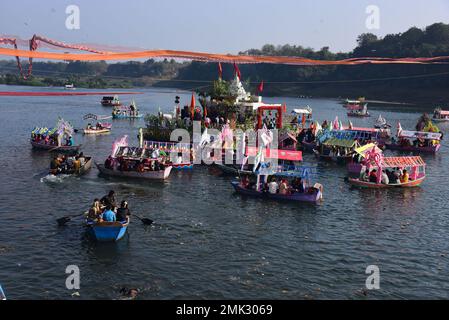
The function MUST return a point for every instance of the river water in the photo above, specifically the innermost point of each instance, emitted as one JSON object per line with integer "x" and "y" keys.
{"x": 207, "y": 242}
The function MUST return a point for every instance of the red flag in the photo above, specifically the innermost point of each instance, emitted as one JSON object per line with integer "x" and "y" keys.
{"x": 260, "y": 88}
{"x": 237, "y": 71}
{"x": 220, "y": 70}
{"x": 192, "y": 106}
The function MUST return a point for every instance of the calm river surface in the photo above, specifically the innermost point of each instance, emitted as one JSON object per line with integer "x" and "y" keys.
{"x": 207, "y": 242}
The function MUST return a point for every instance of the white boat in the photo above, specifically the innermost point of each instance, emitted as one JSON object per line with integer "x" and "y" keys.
{"x": 69, "y": 87}
{"x": 440, "y": 115}
{"x": 381, "y": 123}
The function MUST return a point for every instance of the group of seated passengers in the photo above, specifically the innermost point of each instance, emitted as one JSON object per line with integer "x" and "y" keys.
{"x": 141, "y": 165}
{"x": 98, "y": 126}
{"x": 67, "y": 164}
{"x": 395, "y": 176}
{"x": 417, "y": 143}
{"x": 105, "y": 209}
{"x": 273, "y": 187}
{"x": 51, "y": 139}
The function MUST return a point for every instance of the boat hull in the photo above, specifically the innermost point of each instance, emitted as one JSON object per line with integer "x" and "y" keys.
{"x": 432, "y": 149}
{"x": 100, "y": 131}
{"x": 108, "y": 231}
{"x": 182, "y": 166}
{"x": 49, "y": 147}
{"x": 147, "y": 175}
{"x": 295, "y": 197}
{"x": 371, "y": 185}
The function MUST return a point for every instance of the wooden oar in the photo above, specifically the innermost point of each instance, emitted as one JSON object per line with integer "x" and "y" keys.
{"x": 62, "y": 221}
{"x": 145, "y": 221}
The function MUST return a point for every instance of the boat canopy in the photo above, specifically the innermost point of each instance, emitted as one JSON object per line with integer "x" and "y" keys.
{"x": 419, "y": 135}
{"x": 44, "y": 131}
{"x": 276, "y": 154}
{"x": 138, "y": 153}
{"x": 359, "y": 134}
{"x": 400, "y": 162}
{"x": 335, "y": 142}
{"x": 286, "y": 171}
{"x": 90, "y": 116}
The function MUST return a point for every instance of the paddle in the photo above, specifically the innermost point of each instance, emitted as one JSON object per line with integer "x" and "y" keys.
{"x": 145, "y": 221}
{"x": 62, "y": 221}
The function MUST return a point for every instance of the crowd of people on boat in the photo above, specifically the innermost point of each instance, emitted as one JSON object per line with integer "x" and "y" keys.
{"x": 275, "y": 186}
{"x": 135, "y": 164}
{"x": 67, "y": 164}
{"x": 388, "y": 176}
{"x": 98, "y": 126}
{"x": 106, "y": 209}
{"x": 52, "y": 139}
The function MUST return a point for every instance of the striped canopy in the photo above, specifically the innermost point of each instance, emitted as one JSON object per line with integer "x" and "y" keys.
{"x": 400, "y": 162}
{"x": 340, "y": 143}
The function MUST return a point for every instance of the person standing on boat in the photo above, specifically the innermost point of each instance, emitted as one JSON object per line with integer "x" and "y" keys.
{"x": 109, "y": 200}
{"x": 123, "y": 212}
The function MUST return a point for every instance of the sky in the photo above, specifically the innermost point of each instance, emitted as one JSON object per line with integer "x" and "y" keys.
{"x": 226, "y": 26}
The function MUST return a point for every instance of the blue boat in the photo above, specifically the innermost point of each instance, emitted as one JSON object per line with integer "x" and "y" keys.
{"x": 107, "y": 231}
{"x": 2, "y": 294}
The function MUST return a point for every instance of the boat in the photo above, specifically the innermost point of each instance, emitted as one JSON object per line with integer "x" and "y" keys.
{"x": 135, "y": 162}
{"x": 100, "y": 127}
{"x": 304, "y": 115}
{"x": 380, "y": 163}
{"x": 416, "y": 141}
{"x": 107, "y": 231}
{"x": 126, "y": 112}
{"x": 440, "y": 115}
{"x": 69, "y": 86}
{"x": 108, "y": 101}
{"x": 381, "y": 123}
{"x": 2, "y": 293}
{"x": 358, "y": 110}
{"x": 336, "y": 149}
{"x": 348, "y": 102}
{"x": 311, "y": 194}
{"x": 83, "y": 170}
{"x": 93, "y": 130}
{"x": 52, "y": 139}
